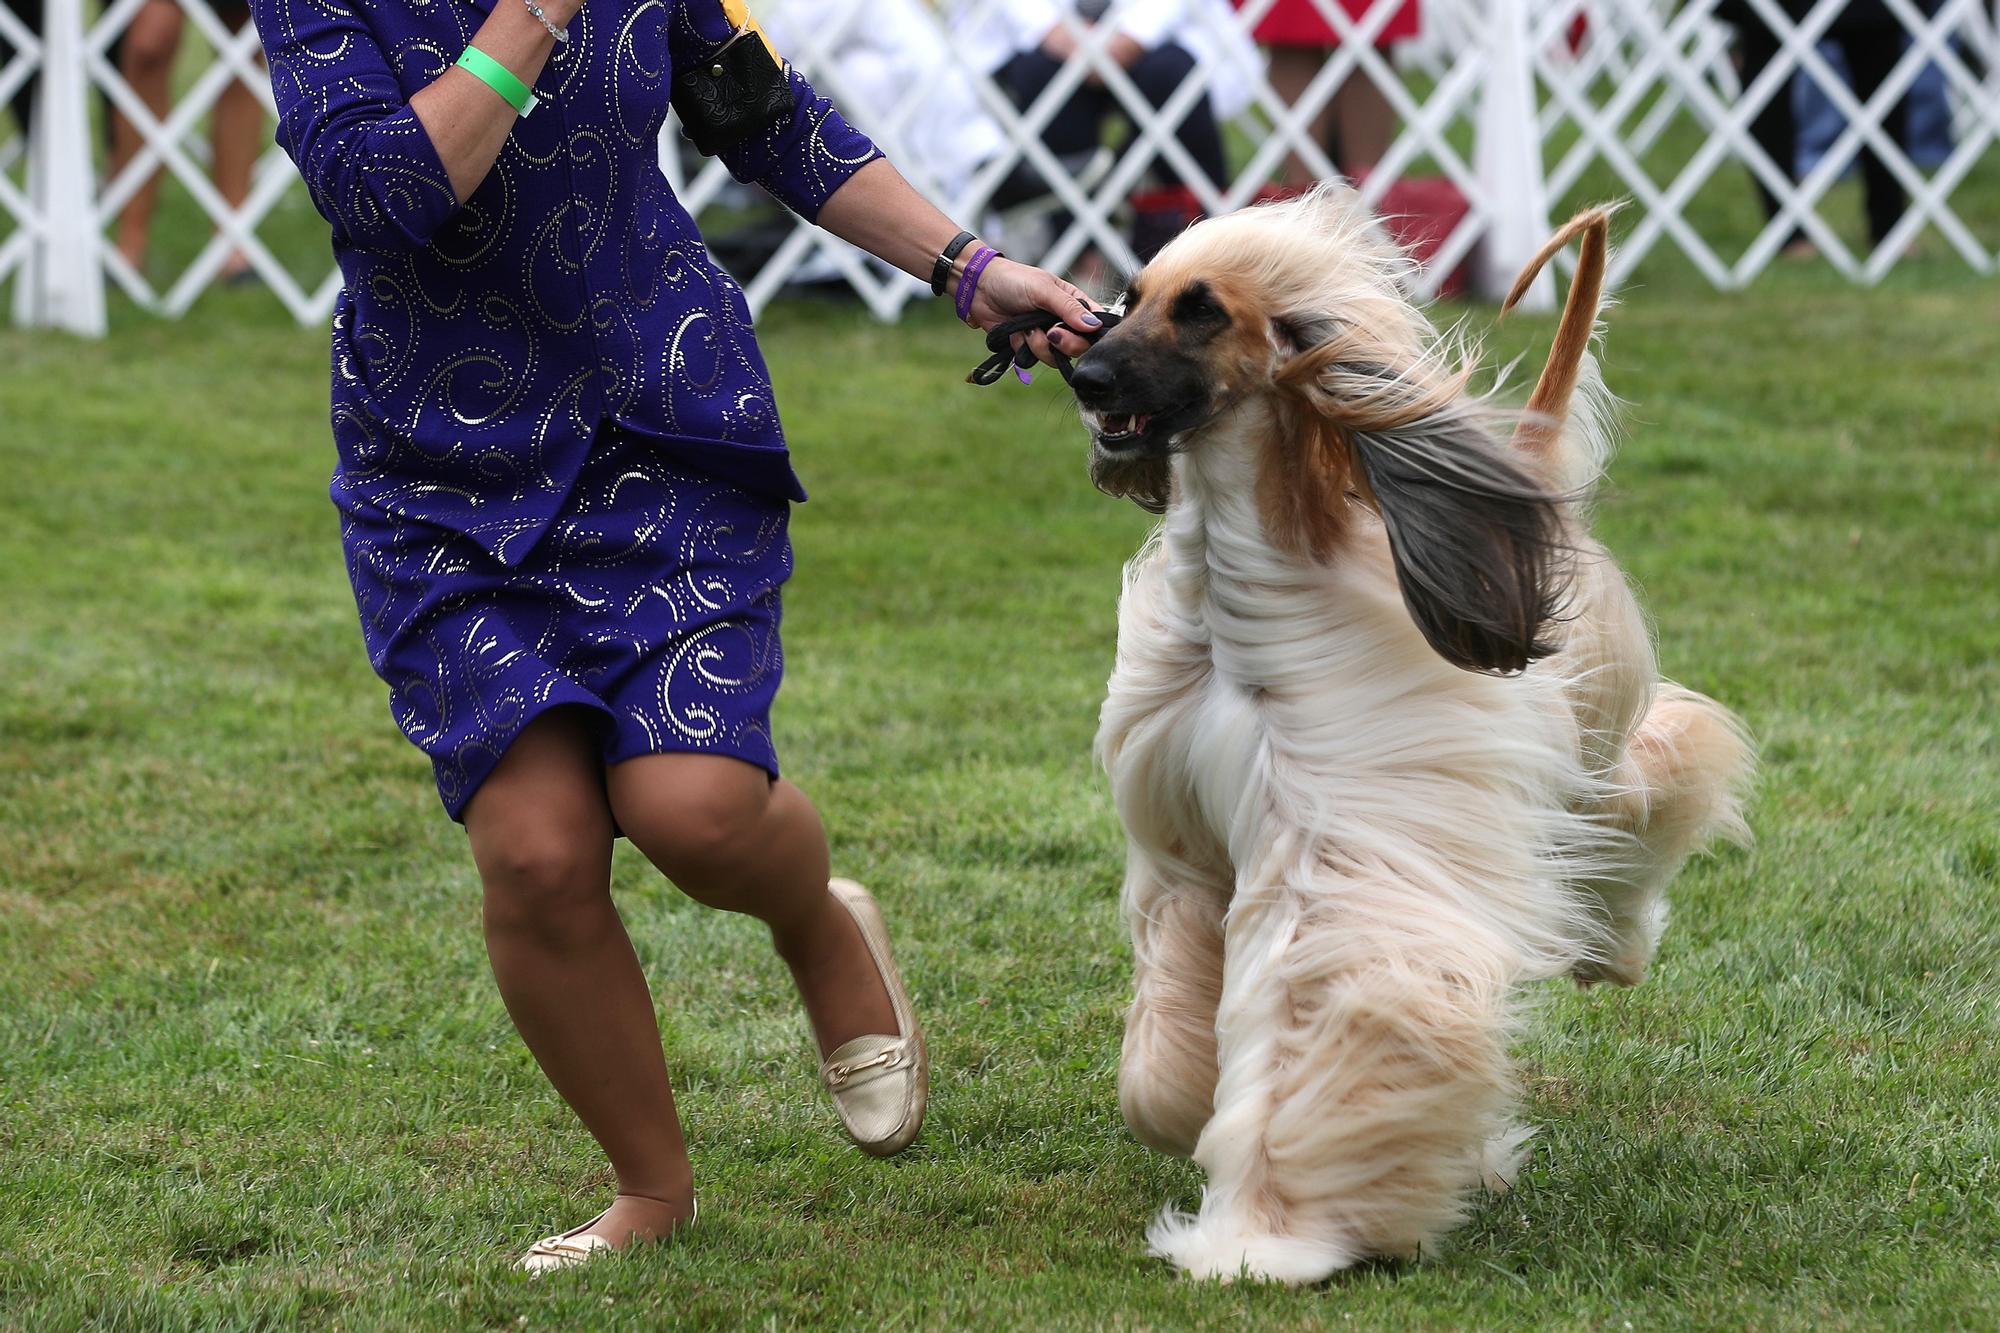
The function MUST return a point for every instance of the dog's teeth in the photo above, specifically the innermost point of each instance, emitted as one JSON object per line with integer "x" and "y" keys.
{"x": 1139, "y": 422}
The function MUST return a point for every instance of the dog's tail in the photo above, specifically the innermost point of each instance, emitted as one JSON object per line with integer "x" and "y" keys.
{"x": 1541, "y": 424}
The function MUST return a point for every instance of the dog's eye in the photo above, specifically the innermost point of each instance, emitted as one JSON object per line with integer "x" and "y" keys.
{"x": 1197, "y": 305}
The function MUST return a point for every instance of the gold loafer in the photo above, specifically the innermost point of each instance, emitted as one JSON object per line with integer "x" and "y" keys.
{"x": 573, "y": 1249}
{"x": 880, "y": 1084}
{"x": 553, "y": 1253}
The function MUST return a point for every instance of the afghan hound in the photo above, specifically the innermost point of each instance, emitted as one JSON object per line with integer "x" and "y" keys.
{"x": 1385, "y": 732}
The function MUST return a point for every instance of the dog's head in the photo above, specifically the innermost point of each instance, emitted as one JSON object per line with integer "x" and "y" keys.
{"x": 1291, "y": 323}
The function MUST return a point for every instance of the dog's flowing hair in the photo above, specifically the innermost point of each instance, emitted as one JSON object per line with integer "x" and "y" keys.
{"x": 1385, "y": 732}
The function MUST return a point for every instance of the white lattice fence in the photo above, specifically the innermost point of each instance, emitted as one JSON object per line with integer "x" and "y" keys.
{"x": 820, "y": 36}
{"x": 174, "y": 144}
{"x": 1647, "y": 66}
{"x": 1517, "y": 106}
{"x": 19, "y": 214}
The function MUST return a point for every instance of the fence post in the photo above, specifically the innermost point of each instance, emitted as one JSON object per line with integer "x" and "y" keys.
{"x": 1507, "y": 159}
{"x": 62, "y": 284}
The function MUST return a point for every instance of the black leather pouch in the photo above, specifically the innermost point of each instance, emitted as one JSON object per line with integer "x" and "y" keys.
{"x": 732, "y": 92}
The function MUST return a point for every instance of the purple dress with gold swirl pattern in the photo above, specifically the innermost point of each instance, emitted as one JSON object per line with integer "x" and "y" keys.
{"x": 561, "y": 476}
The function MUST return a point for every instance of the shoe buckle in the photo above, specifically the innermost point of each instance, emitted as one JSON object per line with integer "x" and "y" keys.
{"x": 837, "y": 1075}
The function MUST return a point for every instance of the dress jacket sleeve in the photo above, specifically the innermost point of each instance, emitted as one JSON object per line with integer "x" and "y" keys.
{"x": 802, "y": 159}
{"x": 367, "y": 160}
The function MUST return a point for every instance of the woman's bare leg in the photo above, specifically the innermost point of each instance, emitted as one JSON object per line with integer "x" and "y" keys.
{"x": 1292, "y": 69}
{"x": 236, "y": 136}
{"x": 146, "y": 62}
{"x": 1363, "y": 122}
{"x": 730, "y": 837}
{"x": 541, "y": 834}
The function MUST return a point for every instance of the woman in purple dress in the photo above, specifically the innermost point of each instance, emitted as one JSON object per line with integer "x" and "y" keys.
{"x": 564, "y": 489}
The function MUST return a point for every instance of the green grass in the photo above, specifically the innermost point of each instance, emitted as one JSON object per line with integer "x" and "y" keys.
{"x": 253, "y": 1071}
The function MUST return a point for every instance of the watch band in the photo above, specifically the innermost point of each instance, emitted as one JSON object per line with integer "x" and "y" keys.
{"x": 941, "y": 270}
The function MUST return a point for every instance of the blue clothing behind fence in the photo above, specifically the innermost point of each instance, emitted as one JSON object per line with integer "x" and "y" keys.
{"x": 477, "y": 349}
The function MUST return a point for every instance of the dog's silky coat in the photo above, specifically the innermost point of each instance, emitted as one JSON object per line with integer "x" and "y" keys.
{"x": 1385, "y": 732}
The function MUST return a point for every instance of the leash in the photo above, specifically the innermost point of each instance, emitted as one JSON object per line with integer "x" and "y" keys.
{"x": 999, "y": 342}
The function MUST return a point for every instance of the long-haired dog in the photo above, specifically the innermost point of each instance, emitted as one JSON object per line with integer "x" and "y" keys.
{"x": 1385, "y": 732}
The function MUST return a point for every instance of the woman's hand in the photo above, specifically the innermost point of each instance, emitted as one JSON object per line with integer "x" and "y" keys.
{"x": 1007, "y": 290}
{"x": 1059, "y": 43}
{"x": 877, "y": 210}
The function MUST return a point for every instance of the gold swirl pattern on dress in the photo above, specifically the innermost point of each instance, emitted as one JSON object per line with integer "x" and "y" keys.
{"x": 476, "y": 417}
{"x": 644, "y": 89}
{"x": 654, "y": 601}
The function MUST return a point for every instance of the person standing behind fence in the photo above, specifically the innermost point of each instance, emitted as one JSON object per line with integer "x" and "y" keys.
{"x": 1357, "y": 125}
{"x": 144, "y": 55}
{"x": 1024, "y": 44}
{"x": 564, "y": 493}
{"x": 22, "y": 102}
{"x": 1871, "y": 41}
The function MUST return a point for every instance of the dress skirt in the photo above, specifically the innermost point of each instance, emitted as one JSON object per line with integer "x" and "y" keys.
{"x": 652, "y": 601}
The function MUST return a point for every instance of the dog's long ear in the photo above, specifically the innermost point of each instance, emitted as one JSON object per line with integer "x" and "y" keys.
{"x": 1478, "y": 545}
{"x": 1477, "y": 542}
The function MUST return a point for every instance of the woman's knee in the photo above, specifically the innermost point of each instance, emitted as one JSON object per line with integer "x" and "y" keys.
{"x": 541, "y": 830}
{"x": 151, "y": 42}
{"x": 697, "y": 818}
{"x": 1161, "y": 71}
{"x": 542, "y": 877}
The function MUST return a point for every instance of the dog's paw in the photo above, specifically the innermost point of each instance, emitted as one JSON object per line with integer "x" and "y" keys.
{"x": 1503, "y": 1156}
{"x": 1211, "y": 1245}
{"x": 1619, "y": 972}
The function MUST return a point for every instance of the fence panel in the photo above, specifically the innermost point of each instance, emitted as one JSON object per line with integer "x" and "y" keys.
{"x": 20, "y": 218}
{"x": 1083, "y": 162}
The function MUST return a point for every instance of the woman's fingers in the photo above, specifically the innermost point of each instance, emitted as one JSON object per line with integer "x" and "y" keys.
{"x": 1075, "y": 308}
{"x": 1061, "y": 340}
{"x": 1072, "y": 345}
{"x": 1024, "y": 290}
{"x": 1037, "y": 345}
{"x": 1066, "y": 302}
{"x": 1061, "y": 299}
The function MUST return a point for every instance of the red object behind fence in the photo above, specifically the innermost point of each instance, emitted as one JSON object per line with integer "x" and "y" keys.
{"x": 1299, "y": 23}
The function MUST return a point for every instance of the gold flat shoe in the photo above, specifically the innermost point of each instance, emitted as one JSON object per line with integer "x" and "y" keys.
{"x": 573, "y": 1249}
{"x": 880, "y": 1084}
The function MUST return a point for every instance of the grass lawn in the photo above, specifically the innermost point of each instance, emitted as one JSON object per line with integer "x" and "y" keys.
{"x": 253, "y": 1071}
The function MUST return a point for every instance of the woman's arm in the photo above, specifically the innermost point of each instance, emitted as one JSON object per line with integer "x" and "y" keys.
{"x": 468, "y": 122}
{"x": 828, "y": 172}
{"x": 389, "y": 171}
{"x": 879, "y": 211}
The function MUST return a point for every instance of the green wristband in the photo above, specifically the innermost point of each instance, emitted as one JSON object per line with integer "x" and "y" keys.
{"x": 499, "y": 78}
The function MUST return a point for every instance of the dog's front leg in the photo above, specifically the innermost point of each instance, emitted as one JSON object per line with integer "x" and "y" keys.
{"x": 1166, "y": 1073}
{"x": 1362, "y": 1073}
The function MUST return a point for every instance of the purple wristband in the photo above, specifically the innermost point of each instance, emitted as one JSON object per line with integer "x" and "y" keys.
{"x": 969, "y": 284}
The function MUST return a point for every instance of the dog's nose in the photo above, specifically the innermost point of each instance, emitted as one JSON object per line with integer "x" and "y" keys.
{"x": 1092, "y": 380}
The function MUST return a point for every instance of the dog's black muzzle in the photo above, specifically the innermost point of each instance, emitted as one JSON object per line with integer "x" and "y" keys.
{"x": 1136, "y": 399}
